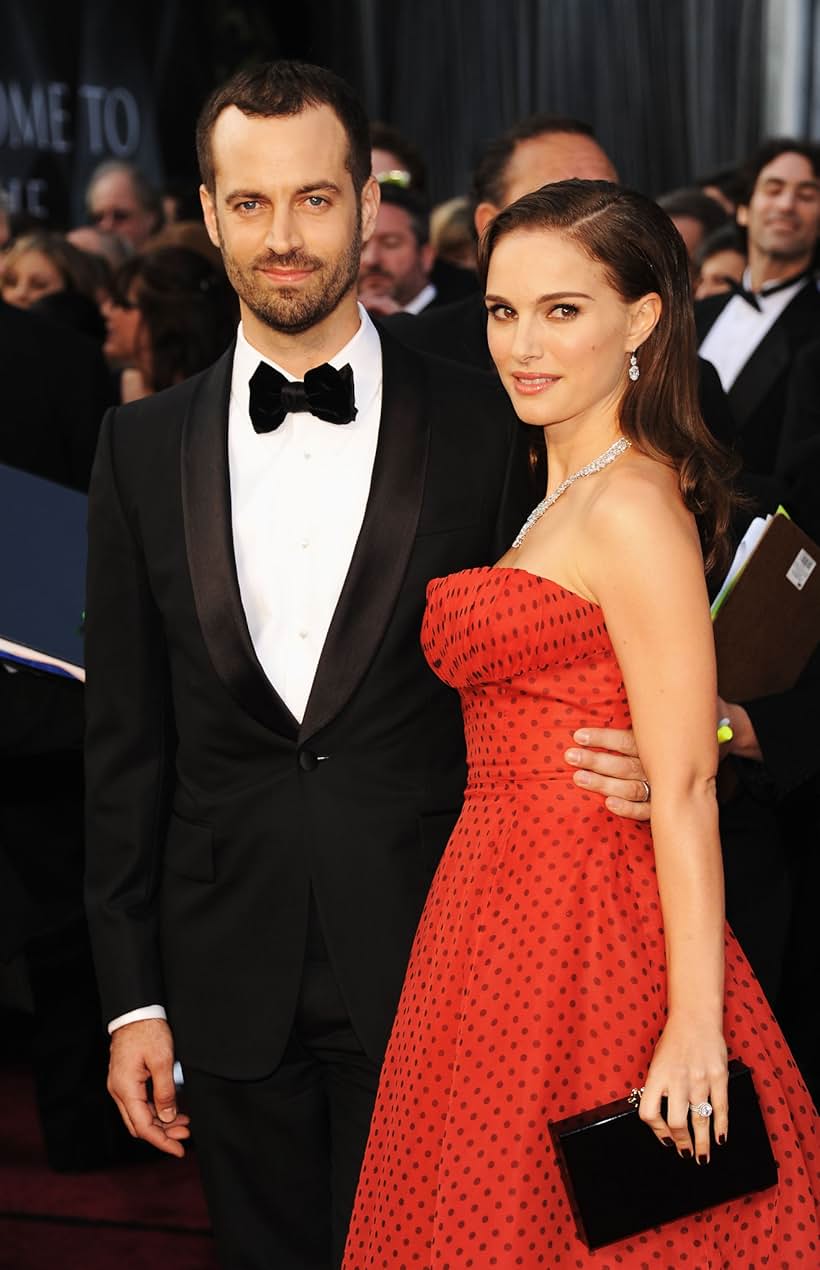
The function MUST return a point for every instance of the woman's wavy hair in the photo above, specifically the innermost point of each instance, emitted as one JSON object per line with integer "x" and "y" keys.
{"x": 189, "y": 312}
{"x": 641, "y": 251}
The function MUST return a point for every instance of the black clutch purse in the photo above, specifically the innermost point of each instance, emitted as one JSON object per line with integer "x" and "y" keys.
{"x": 620, "y": 1180}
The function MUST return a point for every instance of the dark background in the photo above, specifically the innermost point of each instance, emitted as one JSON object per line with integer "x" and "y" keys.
{"x": 673, "y": 88}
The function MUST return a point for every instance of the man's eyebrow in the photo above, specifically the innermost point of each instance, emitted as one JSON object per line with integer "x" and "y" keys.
{"x": 313, "y": 187}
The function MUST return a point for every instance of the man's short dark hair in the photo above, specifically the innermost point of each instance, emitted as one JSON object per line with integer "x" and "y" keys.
{"x": 692, "y": 202}
{"x": 489, "y": 174}
{"x": 770, "y": 150}
{"x": 383, "y": 136}
{"x": 278, "y": 89}
{"x": 414, "y": 204}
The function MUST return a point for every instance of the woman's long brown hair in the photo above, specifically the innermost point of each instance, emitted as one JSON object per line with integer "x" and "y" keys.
{"x": 641, "y": 252}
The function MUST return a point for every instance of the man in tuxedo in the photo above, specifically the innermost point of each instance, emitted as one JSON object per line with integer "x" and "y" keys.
{"x": 397, "y": 259}
{"x": 272, "y": 768}
{"x": 752, "y": 335}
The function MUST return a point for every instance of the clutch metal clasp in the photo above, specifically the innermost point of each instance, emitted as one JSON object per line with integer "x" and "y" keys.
{"x": 635, "y": 1096}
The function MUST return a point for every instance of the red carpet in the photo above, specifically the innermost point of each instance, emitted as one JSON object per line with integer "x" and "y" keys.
{"x": 135, "y": 1217}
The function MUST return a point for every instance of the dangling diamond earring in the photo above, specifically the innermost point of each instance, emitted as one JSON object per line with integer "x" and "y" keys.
{"x": 634, "y": 371}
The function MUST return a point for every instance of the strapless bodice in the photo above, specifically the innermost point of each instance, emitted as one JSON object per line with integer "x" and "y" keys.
{"x": 532, "y": 662}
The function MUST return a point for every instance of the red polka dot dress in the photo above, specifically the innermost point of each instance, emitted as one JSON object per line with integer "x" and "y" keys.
{"x": 536, "y": 985}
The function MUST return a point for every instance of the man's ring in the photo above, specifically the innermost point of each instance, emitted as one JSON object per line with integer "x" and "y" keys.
{"x": 646, "y": 792}
{"x": 701, "y": 1109}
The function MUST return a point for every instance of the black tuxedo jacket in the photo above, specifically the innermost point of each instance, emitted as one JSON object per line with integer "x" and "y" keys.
{"x": 758, "y": 395}
{"x": 211, "y": 811}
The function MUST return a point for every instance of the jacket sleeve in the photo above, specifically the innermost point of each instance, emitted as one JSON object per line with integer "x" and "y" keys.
{"x": 129, "y": 746}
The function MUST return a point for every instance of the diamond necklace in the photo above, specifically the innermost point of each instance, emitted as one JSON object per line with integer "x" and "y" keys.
{"x": 603, "y": 460}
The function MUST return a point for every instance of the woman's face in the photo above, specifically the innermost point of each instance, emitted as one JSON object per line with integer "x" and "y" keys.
{"x": 559, "y": 334}
{"x": 28, "y": 278}
{"x": 122, "y": 326}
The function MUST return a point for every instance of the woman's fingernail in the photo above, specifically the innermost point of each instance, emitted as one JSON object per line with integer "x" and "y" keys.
{"x": 582, "y": 778}
{"x": 722, "y": 1140}
{"x": 573, "y": 756}
{"x": 703, "y": 1159}
{"x": 668, "y": 1142}
{"x": 581, "y": 737}
{"x": 686, "y": 1154}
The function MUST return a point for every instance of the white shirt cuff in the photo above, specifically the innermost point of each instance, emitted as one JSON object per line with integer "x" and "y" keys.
{"x": 137, "y": 1016}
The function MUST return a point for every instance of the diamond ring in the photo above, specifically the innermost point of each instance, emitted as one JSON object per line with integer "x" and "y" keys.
{"x": 701, "y": 1109}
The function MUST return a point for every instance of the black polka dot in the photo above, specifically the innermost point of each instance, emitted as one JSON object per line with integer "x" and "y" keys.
{"x": 536, "y": 987}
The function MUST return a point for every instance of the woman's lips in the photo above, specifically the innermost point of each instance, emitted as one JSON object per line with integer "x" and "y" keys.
{"x": 532, "y": 384}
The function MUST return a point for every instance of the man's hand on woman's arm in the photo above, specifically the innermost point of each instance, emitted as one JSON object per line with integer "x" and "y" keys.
{"x": 607, "y": 763}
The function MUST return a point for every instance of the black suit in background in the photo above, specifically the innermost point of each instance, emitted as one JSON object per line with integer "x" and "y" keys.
{"x": 758, "y": 396}
{"x": 54, "y": 387}
{"x": 263, "y": 878}
{"x": 458, "y": 332}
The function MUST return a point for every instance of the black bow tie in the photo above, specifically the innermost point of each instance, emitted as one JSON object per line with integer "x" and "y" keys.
{"x": 754, "y": 297}
{"x": 326, "y": 392}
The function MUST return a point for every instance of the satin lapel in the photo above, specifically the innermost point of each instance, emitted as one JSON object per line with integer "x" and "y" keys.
{"x": 385, "y": 540}
{"x": 206, "y": 506}
{"x": 763, "y": 369}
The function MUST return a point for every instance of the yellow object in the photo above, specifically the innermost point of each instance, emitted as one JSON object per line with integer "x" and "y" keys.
{"x": 724, "y": 731}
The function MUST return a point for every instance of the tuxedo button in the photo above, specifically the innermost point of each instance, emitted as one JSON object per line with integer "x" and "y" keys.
{"x": 308, "y": 761}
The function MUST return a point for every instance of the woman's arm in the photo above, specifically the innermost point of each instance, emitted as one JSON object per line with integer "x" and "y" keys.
{"x": 642, "y": 561}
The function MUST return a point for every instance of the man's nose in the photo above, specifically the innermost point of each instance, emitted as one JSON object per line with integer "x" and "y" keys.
{"x": 283, "y": 233}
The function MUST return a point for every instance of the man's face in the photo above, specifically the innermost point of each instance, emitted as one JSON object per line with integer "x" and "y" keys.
{"x": 783, "y": 214}
{"x": 115, "y": 209}
{"x": 554, "y": 156}
{"x": 393, "y": 263}
{"x": 557, "y": 156}
{"x": 285, "y": 214}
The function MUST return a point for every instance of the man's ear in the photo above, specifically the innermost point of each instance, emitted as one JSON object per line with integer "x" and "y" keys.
{"x": 742, "y": 215}
{"x": 371, "y": 198}
{"x": 209, "y": 215}
{"x": 428, "y": 258}
{"x": 483, "y": 215}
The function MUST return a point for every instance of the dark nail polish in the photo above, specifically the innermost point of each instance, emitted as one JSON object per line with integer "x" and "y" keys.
{"x": 686, "y": 1154}
{"x": 722, "y": 1140}
{"x": 668, "y": 1142}
{"x": 703, "y": 1159}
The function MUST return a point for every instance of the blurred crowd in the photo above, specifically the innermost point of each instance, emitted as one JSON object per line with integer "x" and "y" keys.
{"x": 137, "y": 299}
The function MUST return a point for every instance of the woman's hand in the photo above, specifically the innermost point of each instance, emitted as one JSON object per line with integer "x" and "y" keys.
{"x": 689, "y": 1066}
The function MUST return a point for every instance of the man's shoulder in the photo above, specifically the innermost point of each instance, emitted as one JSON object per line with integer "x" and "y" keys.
{"x": 170, "y": 406}
{"x": 449, "y": 380}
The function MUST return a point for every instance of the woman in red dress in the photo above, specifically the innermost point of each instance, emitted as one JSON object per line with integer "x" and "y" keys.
{"x": 564, "y": 955}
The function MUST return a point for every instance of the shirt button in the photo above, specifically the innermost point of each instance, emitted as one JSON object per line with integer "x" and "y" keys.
{"x": 307, "y": 454}
{"x": 308, "y": 761}
{"x": 303, "y": 634}
{"x": 304, "y": 543}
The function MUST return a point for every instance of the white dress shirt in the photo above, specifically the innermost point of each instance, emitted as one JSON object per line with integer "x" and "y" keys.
{"x": 740, "y": 328}
{"x": 421, "y": 301}
{"x": 298, "y": 497}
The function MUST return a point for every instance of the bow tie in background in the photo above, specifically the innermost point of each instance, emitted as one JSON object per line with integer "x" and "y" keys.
{"x": 754, "y": 297}
{"x": 326, "y": 392}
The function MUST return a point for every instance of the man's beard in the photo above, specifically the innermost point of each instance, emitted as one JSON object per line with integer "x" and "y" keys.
{"x": 293, "y": 310}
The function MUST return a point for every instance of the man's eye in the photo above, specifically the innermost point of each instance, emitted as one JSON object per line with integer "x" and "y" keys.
{"x": 316, "y": 200}
{"x": 248, "y": 205}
